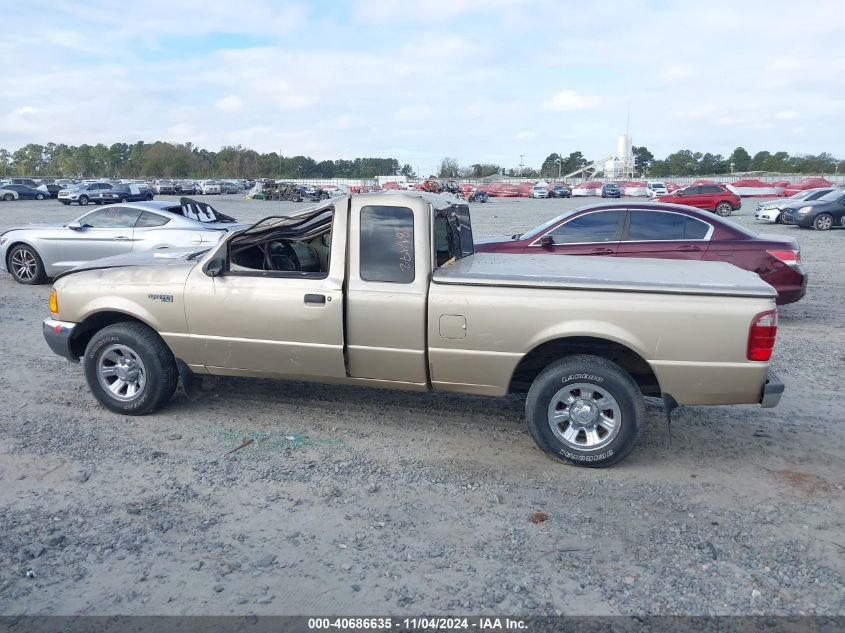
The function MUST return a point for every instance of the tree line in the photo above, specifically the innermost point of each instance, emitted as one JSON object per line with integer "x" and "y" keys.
{"x": 174, "y": 160}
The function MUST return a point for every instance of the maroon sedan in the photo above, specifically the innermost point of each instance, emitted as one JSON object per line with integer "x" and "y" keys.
{"x": 664, "y": 231}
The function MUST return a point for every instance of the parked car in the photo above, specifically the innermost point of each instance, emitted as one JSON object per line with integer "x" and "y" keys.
{"x": 662, "y": 231}
{"x": 656, "y": 188}
{"x": 25, "y": 192}
{"x": 539, "y": 191}
{"x": 610, "y": 190}
{"x": 29, "y": 182}
{"x": 84, "y": 193}
{"x": 822, "y": 214}
{"x": 125, "y": 193}
{"x": 773, "y": 210}
{"x": 188, "y": 188}
{"x": 163, "y": 187}
{"x": 34, "y": 252}
{"x": 715, "y": 198}
{"x": 210, "y": 188}
{"x": 560, "y": 191}
{"x": 52, "y": 189}
{"x": 313, "y": 296}
{"x": 8, "y": 194}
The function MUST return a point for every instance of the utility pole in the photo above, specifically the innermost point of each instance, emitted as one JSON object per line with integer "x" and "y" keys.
{"x": 521, "y": 164}
{"x": 558, "y": 161}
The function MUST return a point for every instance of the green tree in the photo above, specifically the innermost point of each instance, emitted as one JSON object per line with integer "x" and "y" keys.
{"x": 643, "y": 159}
{"x": 449, "y": 168}
{"x": 407, "y": 171}
{"x": 740, "y": 159}
{"x": 758, "y": 163}
{"x": 552, "y": 166}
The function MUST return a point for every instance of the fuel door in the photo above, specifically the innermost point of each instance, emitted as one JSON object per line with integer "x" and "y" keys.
{"x": 453, "y": 326}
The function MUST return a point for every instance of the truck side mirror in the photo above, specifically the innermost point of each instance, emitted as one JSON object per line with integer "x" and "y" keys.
{"x": 215, "y": 266}
{"x": 547, "y": 241}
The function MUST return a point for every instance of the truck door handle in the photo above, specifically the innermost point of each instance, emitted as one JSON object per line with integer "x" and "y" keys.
{"x": 602, "y": 251}
{"x": 689, "y": 248}
{"x": 315, "y": 299}
{"x": 122, "y": 237}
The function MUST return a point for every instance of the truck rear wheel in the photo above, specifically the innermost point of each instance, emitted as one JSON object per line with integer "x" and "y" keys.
{"x": 129, "y": 369}
{"x": 585, "y": 410}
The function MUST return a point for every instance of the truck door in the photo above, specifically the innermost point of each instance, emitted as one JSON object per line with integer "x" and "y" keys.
{"x": 267, "y": 320}
{"x": 388, "y": 277}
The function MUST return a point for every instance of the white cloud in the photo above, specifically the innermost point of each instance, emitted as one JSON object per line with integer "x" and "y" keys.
{"x": 230, "y": 103}
{"x": 569, "y": 100}
{"x": 525, "y": 135}
{"x": 786, "y": 115}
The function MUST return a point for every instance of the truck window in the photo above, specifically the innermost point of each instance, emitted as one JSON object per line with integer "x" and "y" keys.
{"x": 452, "y": 234}
{"x": 387, "y": 244}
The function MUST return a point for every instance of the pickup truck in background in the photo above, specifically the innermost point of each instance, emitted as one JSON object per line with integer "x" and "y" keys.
{"x": 384, "y": 290}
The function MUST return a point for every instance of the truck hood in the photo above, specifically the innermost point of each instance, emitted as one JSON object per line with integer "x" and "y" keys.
{"x": 160, "y": 258}
{"x": 605, "y": 273}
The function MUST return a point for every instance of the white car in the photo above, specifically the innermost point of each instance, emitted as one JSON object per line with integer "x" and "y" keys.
{"x": 656, "y": 188}
{"x": 8, "y": 195}
{"x": 538, "y": 192}
{"x": 210, "y": 188}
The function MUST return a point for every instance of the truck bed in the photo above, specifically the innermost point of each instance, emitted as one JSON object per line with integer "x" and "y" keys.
{"x": 604, "y": 273}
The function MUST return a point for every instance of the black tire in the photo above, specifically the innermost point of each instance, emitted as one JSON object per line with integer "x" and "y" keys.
{"x": 83, "y": 200}
{"x": 124, "y": 199}
{"x": 724, "y": 209}
{"x": 39, "y": 196}
{"x": 157, "y": 362}
{"x": 8, "y": 197}
{"x": 30, "y": 271}
{"x": 602, "y": 377}
{"x": 149, "y": 197}
{"x": 779, "y": 219}
{"x": 823, "y": 222}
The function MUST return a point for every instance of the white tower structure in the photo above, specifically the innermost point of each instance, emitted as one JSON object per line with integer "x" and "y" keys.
{"x": 622, "y": 164}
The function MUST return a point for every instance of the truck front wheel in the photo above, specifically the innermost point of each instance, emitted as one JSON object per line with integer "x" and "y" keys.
{"x": 585, "y": 410}
{"x": 129, "y": 369}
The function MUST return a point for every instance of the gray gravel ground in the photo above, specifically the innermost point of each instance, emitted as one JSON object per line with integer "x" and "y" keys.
{"x": 361, "y": 501}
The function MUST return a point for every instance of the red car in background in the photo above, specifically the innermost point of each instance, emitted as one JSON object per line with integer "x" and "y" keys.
{"x": 662, "y": 231}
{"x": 712, "y": 197}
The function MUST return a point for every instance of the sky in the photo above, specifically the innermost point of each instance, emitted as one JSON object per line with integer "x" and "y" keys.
{"x": 494, "y": 81}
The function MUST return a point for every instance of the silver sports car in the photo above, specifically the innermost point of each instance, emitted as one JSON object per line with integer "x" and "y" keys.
{"x": 35, "y": 252}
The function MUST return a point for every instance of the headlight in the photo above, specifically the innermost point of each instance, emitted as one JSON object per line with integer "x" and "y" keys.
{"x": 54, "y": 302}
{"x": 803, "y": 210}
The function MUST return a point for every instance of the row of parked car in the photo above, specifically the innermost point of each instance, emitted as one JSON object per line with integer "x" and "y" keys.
{"x": 822, "y": 208}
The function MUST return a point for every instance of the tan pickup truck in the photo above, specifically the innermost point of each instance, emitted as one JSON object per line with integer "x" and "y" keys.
{"x": 384, "y": 290}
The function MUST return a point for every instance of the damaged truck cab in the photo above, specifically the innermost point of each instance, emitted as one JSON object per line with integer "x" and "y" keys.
{"x": 384, "y": 290}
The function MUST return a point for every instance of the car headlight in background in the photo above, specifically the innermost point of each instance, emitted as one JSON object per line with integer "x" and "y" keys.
{"x": 804, "y": 210}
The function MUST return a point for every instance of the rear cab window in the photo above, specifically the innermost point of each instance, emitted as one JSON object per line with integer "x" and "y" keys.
{"x": 387, "y": 244}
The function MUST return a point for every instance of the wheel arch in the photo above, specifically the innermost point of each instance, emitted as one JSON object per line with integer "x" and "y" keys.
{"x": 549, "y": 351}
{"x": 96, "y": 321}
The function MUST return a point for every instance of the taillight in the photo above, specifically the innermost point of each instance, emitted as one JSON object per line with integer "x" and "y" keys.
{"x": 788, "y": 257}
{"x": 761, "y": 336}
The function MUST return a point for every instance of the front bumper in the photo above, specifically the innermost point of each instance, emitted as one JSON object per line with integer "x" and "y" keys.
{"x": 772, "y": 391}
{"x": 58, "y": 335}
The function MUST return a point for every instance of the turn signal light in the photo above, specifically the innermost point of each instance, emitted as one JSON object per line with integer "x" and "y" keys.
{"x": 54, "y": 301}
{"x": 761, "y": 336}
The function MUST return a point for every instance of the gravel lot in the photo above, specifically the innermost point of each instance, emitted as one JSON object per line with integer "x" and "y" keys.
{"x": 361, "y": 501}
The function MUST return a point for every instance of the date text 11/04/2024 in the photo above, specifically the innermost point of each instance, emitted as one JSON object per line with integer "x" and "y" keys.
{"x": 419, "y": 623}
